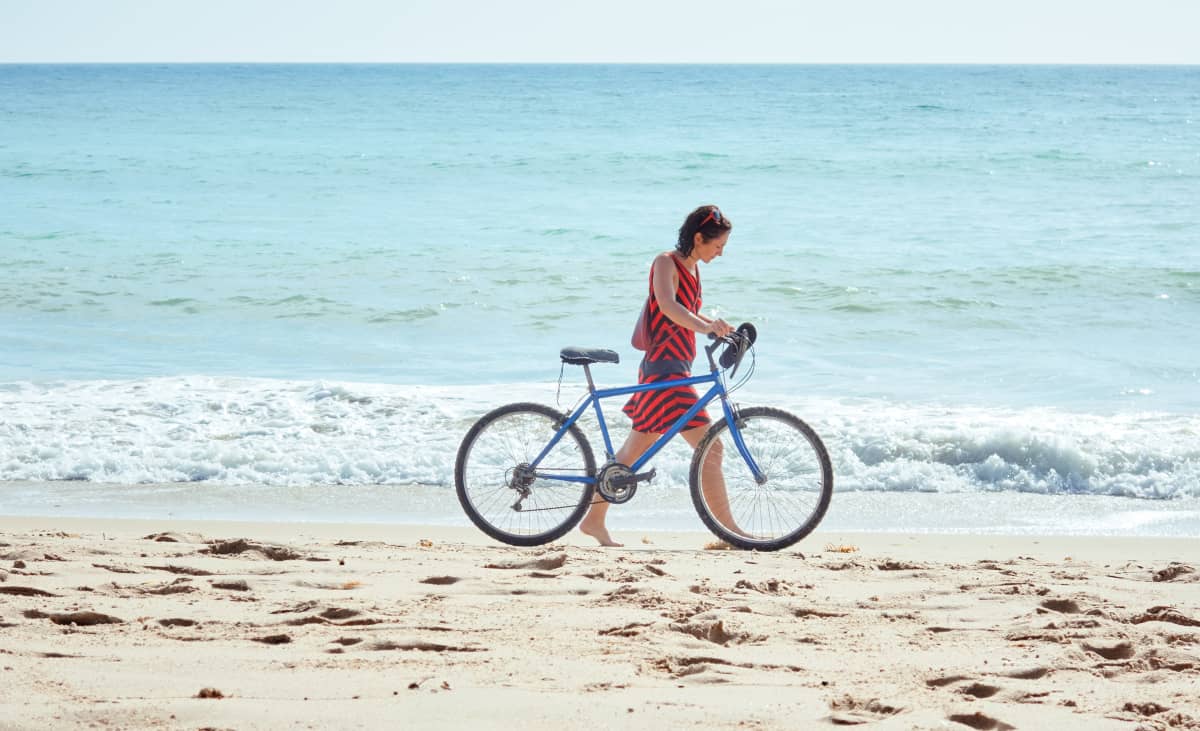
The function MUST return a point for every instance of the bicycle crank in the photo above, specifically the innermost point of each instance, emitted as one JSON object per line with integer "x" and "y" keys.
{"x": 617, "y": 484}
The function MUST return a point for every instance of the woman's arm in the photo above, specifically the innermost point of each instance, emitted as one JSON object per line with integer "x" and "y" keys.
{"x": 664, "y": 292}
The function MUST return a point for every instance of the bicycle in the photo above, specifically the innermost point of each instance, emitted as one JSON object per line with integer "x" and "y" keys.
{"x": 525, "y": 473}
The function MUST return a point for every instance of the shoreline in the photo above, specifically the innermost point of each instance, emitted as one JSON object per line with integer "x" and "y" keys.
{"x": 312, "y": 624}
{"x": 965, "y": 546}
{"x": 665, "y": 508}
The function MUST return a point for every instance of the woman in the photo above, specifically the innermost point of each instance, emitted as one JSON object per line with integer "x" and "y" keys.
{"x": 674, "y": 316}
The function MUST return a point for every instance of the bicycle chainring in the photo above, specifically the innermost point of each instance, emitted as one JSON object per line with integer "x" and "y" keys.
{"x": 613, "y": 493}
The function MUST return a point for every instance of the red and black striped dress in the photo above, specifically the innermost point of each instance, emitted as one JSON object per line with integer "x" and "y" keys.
{"x": 669, "y": 358}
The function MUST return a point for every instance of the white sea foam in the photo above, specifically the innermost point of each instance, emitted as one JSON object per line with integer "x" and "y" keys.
{"x": 231, "y": 430}
{"x": 880, "y": 446}
{"x": 289, "y": 433}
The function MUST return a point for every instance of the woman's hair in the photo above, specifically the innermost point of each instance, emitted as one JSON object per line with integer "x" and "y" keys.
{"x": 708, "y": 221}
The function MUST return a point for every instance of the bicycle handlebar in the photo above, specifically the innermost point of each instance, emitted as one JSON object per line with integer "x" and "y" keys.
{"x": 737, "y": 344}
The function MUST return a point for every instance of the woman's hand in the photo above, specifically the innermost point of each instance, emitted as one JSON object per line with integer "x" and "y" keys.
{"x": 719, "y": 328}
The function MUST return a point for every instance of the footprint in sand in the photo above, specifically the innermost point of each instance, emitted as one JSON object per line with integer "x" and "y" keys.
{"x": 24, "y": 591}
{"x": 238, "y": 585}
{"x": 1174, "y": 571}
{"x": 177, "y": 622}
{"x": 1163, "y": 717}
{"x": 333, "y": 615}
{"x": 1111, "y": 649}
{"x": 347, "y": 641}
{"x": 979, "y": 690}
{"x": 1160, "y": 658}
{"x": 79, "y": 619}
{"x": 714, "y": 632}
{"x": 241, "y": 545}
{"x": 941, "y": 682}
{"x": 974, "y": 688}
{"x": 806, "y": 612}
{"x": 1062, "y": 606}
{"x": 633, "y": 629}
{"x": 980, "y": 721}
{"x": 851, "y": 711}
{"x": 771, "y": 586}
{"x": 115, "y": 568}
{"x": 175, "y": 537}
{"x": 1030, "y": 673}
{"x": 629, "y": 594}
{"x": 170, "y": 568}
{"x": 893, "y": 565}
{"x": 547, "y": 563}
{"x": 1164, "y": 614}
{"x": 682, "y": 667}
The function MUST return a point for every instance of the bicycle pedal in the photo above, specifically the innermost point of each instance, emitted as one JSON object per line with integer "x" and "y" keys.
{"x": 645, "y": 476}
{"x": 628, "y": 480}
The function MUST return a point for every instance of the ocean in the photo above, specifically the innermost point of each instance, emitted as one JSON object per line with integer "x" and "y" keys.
{"x": 288, "y": 290}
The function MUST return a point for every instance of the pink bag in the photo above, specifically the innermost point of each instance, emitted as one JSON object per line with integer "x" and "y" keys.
{"x": 641, "y": 331}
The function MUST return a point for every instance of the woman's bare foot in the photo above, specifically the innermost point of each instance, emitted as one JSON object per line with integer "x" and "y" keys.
{"x": 600, "y": 533}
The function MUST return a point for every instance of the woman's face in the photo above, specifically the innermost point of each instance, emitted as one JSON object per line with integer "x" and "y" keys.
{"x": 707, "y": 250}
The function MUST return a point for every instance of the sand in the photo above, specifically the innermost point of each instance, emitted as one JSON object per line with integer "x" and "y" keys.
{"x": 190, "y": 625}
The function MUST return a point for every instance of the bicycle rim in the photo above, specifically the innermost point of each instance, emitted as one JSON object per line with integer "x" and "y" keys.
{"x": 489, "y": 458}
{"x": 782, "y": 509}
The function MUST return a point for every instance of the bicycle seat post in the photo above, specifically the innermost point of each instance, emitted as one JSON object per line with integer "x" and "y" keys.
{"x": 588, "y": 372}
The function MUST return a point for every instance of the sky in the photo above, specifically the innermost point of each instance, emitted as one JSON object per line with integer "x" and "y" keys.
{"x": 602, "y": 31}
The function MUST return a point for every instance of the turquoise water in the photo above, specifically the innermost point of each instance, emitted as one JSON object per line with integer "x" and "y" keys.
{"x": 967, "y": 278}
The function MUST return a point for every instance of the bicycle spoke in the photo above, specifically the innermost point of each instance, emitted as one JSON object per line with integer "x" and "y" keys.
{"x": 787, "y": 505}
{"x": 498, "y": 488}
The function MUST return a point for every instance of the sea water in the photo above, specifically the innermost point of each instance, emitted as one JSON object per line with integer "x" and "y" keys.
{"x": 299, "y": 285}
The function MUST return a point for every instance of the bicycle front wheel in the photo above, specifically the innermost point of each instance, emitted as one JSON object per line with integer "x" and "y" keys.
{"x": 781, "y": 505}
{"x": 507, "y": 498}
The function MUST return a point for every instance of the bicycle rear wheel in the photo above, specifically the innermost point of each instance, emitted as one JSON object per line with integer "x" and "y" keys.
{"x": 781, "y": 509}
{"x": 507, "y": 499}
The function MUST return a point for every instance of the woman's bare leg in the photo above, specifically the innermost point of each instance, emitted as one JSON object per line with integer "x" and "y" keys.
{"x": 713, "y": 479}
{"x": 592, "y": 524}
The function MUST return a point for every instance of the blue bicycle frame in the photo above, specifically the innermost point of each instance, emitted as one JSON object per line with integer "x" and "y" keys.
{"x": 593, "y": 400}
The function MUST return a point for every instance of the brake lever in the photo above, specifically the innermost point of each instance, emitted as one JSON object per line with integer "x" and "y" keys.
{"x": 741, "y": 353}
{"x": 741, "y": 340}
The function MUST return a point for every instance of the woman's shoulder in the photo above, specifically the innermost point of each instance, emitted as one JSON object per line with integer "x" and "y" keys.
{"x": 665, "y": 263}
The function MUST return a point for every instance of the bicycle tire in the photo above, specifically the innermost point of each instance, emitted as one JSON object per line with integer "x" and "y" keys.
{"x": 799, "y": 480}
{"x": 495, "y": 445}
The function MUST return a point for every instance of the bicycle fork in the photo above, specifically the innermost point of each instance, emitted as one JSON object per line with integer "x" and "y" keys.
{"x": 734, "y": 419}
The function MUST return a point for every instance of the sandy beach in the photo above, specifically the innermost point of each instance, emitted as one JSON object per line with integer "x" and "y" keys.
{"x": 221, "y": 625}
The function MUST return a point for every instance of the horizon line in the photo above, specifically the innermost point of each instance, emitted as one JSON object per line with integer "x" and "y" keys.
{"x": 590, "y": 63}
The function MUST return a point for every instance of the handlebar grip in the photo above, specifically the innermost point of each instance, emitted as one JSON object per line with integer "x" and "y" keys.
{"x": 740, "y": 341}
